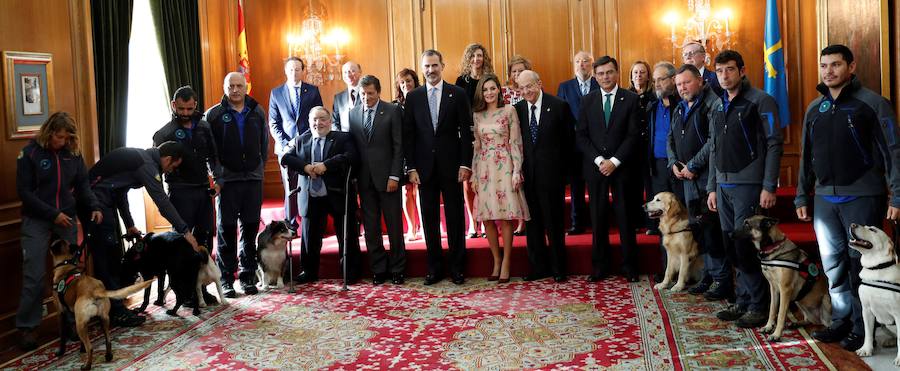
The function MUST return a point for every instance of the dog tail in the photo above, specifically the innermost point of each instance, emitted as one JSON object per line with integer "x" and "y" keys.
{"x": 125, "y": 291}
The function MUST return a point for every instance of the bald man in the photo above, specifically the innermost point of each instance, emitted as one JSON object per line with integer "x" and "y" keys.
{"x": 347, "y": 99}
{"x": 548, "y": 132}
{"x": 241, "y": 135}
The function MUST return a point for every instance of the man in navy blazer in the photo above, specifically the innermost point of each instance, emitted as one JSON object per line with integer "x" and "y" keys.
{"x": 437, "y": 142}
{"x": 572, "y": 91}
{"x": 289, "y": 106}
{"x": 607, "y": 135}
{"x": 324, "y": 158}
{"x": 694, "y": 53}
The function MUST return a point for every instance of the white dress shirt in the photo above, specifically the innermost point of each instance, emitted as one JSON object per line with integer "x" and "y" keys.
{"x": 537, "y": 112}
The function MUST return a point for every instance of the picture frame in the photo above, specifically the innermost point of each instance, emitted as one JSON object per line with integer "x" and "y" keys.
{"x": 865, "y": 31}
{"x": 28, "y": 89}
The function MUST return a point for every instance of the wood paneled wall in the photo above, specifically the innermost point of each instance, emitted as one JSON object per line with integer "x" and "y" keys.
{"x": 388, "y": 35}
{"x": 62, "y": 28}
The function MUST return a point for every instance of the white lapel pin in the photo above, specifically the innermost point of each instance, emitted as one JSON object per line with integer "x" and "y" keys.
{"x": 548, "y": 109}
{"x": 622, "y": 98}
{"x": 451, "y": 95}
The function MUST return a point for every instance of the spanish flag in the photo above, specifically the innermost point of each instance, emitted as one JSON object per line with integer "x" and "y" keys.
{"x": 244, "y": 62}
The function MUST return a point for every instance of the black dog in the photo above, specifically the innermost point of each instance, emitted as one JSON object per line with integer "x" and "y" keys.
{"x": 167, "y": 253}
{"x": 139, "y": 260}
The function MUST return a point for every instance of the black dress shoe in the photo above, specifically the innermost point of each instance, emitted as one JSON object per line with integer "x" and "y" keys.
{"x": 431, "y": 280}
{"x": 304, "y": 277}
{"x": 597, "y": 277}
{"x": 459, "y": 279}
{"x": 632, "y": 277}
{"x": 832, "y": 334}
{"x": 575, "y": 231}
{"x": 533, "y": 277}
{"x": 852, "y": 342}
{"x": 379, "y": 278}
{"x": 398, "y": 279}
{"x": 560, "y": 278}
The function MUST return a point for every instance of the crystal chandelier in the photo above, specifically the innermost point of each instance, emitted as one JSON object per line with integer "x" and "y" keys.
{"x": 313, "y": 45}
{"x": 701, "y": 25}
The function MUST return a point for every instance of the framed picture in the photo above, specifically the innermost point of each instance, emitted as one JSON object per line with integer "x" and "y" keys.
{"x": 28, "y": 88}
{"x": 865, "y": 31}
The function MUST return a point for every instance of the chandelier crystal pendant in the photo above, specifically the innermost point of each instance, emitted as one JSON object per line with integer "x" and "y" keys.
{"x": 313, "y": 45}
{"x": 700, "y": 25}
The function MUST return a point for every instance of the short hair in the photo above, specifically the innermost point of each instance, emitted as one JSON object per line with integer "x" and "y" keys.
{"x": 431, "y": 53}
{"x": 171, "y": 148}
{"x": 670, "y": 68}
{"x": 370, "y": 80}
{"x": 319, "y": 108}
{"x": 689, "y": 68}
{"x": 185, "y": 93}
{"x": 404, "y": 72}
{"x": 729, "y": 55}
{"x": 604, "y": 60}
{"x": 59, "y": 121}
{"x": 296, "y": 59}
{"x": 480, "y": 104}
{"x": 841, "y": 49}
{"x": 702, "y": 48}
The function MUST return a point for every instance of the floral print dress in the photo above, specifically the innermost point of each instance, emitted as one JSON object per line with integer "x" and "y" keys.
{"x": 496, "y": 164}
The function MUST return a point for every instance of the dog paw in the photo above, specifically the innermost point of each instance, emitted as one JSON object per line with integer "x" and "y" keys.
{"x": 677, "y": 288}
{"x": 897, "y": 361}
{"x": 202, "y": 304}
{"x": 196, "y": 311}
{"x": 159, "y": 303}
{"x": 172, "y": 313}
{"x": 659, "y": 286}
{"x": 60, "y": 353}
{"x": 109, "y": 356}
{"x": 773, "y": 338}
{"x": 767, "y": 329}
{"x": 224, "y": 302}
{"x": 865, "y": 351}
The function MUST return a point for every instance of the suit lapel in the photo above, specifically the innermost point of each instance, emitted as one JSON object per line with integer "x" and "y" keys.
{"x": 446, "y": 97}
{"x": 617, "y": 107}
{"x": 376, "y": 121}
{"x": 329, "y": 140}
{"x": 286, "y": 96}
{"x": 542, "y": 122}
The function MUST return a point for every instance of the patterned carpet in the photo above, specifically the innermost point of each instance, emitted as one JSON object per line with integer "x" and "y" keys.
{"x": 480, "y": 325}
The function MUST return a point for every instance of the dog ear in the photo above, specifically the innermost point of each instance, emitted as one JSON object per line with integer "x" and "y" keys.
{"x": 768, "y": 222}
{"x": 675, "y": 206}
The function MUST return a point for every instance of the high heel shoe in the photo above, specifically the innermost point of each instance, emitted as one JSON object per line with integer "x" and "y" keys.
{"x": 493, "y": 278}
{"x": 502, "y": 280}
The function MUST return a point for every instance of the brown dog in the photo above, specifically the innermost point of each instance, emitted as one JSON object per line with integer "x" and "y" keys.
{"x": 83, "y": 296}
{"x": 792, "y": 276}
{"x": 678, "y": 239}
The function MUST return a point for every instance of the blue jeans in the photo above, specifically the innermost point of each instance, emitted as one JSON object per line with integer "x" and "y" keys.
{"x": 841, "y": 263}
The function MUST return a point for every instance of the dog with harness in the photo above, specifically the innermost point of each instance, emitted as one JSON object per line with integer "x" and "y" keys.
{"x": 82, "y": 296}
{"x": 879, "y": 291}
{"x": 793, "y": 277}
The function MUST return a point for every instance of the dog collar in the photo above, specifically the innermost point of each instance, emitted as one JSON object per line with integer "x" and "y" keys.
{"x": 688, "y": 229}
{"x": 887, "y": 264}
{"x": 768, "y": 249}
{"x": 884, "y": 285}
{"x": 72, "y": 261}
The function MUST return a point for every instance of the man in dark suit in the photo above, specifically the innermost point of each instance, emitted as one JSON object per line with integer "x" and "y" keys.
{"x": 377, "y": 128}
{"x": 348, "y": 98}
{"x": 607, "y": 134}
{"x": 695, "y": 54}
{"x": 547, "y": 135}
{"x": 289, "y": 106}
{"x": 572, "y": 91}
{"x": 324, "y": 158}
{"x": 437, "y": 142}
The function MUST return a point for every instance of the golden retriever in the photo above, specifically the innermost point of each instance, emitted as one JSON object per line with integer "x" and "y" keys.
{"x": 678, "y": 240}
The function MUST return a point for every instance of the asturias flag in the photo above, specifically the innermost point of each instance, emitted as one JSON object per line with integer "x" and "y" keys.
{"x": 776, "y": 81}
{"x": 244, "y": 58}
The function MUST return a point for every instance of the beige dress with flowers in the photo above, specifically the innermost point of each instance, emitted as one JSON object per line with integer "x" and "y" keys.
{"x": 497, "y": 166}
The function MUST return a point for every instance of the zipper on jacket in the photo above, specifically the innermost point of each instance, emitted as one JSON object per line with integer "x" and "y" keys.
{"x": 746, "y": 137}
{"x": 855, "y": 136}
{"x": 58, "y": 179}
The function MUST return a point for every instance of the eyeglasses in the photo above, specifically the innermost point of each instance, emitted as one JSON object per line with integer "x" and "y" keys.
{"x": 692, "y": 53}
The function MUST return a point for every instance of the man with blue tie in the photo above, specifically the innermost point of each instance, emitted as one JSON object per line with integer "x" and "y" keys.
{"x": 607, "y": 135}
{"x": 289, "y": 106}
{"x": 572, "y": 91}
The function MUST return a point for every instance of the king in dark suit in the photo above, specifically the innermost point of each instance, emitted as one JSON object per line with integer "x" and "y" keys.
{"x": 437, "y": 142}
{"x": 548, "y": 133}
{"x": 323, "y": 158}
{"x": 377, "y": 127}
{"x": 607, "y": 135}
{"x": 289, "y": 106}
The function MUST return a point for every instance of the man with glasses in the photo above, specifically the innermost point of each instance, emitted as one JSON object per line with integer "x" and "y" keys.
{"x": 695, "y": 54}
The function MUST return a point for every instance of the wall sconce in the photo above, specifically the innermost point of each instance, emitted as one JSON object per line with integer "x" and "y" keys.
{"x": 313, "y": 45}
{"x": 701, "y": 25}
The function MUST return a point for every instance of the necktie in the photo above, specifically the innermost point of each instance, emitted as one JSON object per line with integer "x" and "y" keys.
{"x": 607, "y": 107}
{"x": 297, "y": 102}
{"x": 433, "y": 107}
{"x": 533, "y": 125}
{"x": 585, "y": 88}
{"x": 317, "y": 183}
{"x": 352, "y": 97}
{"x": 368, "y": 124}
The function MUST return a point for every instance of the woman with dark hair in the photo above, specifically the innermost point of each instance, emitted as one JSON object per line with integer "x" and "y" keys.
{"x": 51, "y": 179}
{"x": 406, "y": 80}
{"x": 475, "y": 63}
{"x": 497, "y": 171}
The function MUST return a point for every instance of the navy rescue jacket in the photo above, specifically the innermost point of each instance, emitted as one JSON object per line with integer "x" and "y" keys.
{"x": 850, "y": 146}
{"x": 200, "y": 158}
{"x": 131, "y": 168}
{"x": 52, "y": 182}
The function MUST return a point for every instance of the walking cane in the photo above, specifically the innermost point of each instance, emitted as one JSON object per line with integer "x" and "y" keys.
{"x": 290, "y": 245}
{"x": 344, "y": 237}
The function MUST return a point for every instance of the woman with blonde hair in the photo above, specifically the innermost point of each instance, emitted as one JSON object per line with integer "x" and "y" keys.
{"x": 497, "y": 171}
{"x": 52, "y": 182}
{"x": 475, "y": 63}
{"x": 512, "y": 92}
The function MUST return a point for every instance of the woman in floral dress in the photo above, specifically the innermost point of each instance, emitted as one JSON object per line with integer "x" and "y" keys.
{"x": 496, "y": 166}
